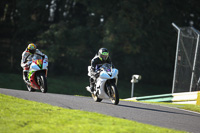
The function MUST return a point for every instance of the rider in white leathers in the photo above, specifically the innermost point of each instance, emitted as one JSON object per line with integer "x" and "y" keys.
{"x": 26, "y": 60}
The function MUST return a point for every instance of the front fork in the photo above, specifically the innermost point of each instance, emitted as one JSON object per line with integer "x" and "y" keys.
{"x": 38, "y": 76}
{"x": 108, "y": 86}
{"x": 38, "y": 80}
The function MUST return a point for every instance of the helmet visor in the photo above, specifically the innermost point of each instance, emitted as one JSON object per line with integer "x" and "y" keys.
{"x": 32, "y": 51}
{"x": 104, "y": 55}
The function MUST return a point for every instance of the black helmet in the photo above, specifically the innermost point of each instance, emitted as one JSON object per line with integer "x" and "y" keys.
{"x": 103, "y": 54}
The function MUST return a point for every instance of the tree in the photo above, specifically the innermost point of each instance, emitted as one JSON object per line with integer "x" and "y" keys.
{"x": 138, "y": 34}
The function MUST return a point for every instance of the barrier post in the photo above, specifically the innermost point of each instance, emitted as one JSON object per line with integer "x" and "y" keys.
{"x": 135, "y": 79}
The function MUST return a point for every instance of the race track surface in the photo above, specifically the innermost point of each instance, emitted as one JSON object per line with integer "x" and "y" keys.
{"x": 145, "y": 113}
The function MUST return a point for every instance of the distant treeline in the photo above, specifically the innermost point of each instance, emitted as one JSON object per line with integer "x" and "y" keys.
{"x": 138, "y": 34}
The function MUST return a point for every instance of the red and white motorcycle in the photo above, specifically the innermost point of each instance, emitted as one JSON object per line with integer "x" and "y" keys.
{"x": 37, "y": 75}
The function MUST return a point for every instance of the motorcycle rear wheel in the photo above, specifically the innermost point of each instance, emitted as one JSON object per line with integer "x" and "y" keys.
{"x": 95, "y": 98}
{"x": 43, "y": 81}
{"x": 114, "y": 95}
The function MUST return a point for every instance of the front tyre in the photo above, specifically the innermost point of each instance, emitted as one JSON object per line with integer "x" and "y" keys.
{"x": 43, "y": 83}
{"x": 114, "y": 95}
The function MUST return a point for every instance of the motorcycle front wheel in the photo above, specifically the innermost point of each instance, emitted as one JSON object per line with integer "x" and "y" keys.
{"x": 114, "y": 95}
{"x": 43, "y": 83}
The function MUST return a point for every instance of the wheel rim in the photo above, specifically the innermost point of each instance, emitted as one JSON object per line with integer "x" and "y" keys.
{"x": 113, "y": 96}
{"x": 41, "y": 88}
{"x": 42, "y": 84}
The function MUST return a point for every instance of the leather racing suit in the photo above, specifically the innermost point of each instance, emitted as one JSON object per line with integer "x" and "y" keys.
{"x": 27, "y": 60}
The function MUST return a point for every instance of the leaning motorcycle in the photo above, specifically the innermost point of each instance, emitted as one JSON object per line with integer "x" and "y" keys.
{"x": 37, "y": 75}
{"x": 106, "y": 84}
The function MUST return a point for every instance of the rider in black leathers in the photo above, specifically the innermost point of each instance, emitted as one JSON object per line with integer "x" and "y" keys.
{"x": 99, "y": 59}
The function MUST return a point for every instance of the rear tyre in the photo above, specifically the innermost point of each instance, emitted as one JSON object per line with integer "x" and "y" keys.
{"x": 43, "y": 83}
{"x": 114, "y": 95}
{"x": 95, "y": 98}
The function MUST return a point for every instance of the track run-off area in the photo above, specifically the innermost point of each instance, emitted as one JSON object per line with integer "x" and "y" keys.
{"x": 141, "y": 112}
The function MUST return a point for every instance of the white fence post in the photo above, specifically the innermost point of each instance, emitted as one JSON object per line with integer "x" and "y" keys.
{"x": 176, "y": 56}
{"x": 135, "y": 79}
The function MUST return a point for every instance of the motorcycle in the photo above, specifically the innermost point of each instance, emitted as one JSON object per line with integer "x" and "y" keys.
{"x": 37, "y": 75}
{"x": 106, "y": 84}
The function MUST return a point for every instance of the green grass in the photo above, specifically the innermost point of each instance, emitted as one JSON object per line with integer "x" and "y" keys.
{"x": 76, "y": 85}
{"x": 56, "y": 84}
{"x": 18, "y": 115}
{"x": 12, "y": 81}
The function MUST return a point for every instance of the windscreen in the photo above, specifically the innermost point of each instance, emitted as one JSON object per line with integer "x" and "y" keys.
{"x": 36, "y": 57}
{"x": 107, "y": 67}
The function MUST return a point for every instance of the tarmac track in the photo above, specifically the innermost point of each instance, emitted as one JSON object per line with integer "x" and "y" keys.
{"x": 145, "y": 113}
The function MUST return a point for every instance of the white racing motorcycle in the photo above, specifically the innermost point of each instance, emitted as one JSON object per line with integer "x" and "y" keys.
{"x": 37, "y": 74}
{"x": 106, "y": 84}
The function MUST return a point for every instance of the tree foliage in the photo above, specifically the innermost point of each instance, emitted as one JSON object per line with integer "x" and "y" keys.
{"x": 138, "y": 34}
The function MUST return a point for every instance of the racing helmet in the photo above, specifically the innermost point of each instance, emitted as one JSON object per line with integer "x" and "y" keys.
{"x": 103, "y": 54}
{"x": 31, "y": 48}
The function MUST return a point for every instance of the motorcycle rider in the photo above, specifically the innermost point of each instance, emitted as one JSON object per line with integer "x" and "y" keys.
{"x": 26, "y": 60}
{"x": 99, "y": 59}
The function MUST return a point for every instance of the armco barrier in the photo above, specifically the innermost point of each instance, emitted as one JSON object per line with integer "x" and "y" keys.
{"x": 181, "y": 98}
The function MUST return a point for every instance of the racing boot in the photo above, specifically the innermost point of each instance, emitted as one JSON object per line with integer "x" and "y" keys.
{"x": 90, "y": 88}
{"x": 25, "y": 76}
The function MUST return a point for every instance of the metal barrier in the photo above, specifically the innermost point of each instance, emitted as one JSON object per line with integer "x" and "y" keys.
{"x": 179, "y": 98}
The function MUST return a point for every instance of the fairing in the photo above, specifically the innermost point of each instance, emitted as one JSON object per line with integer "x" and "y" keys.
{"x": 38, "y": 64}
{"x": 107, "y": 73}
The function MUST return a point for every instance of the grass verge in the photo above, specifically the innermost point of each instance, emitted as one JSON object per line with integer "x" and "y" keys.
{"x": 76, "y": 85}
{"x": 18, "y": 115}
